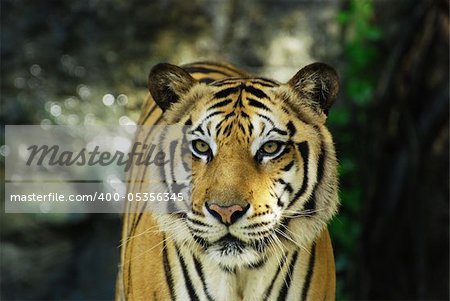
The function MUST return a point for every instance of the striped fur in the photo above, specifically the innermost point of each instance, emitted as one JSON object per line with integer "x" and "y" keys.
{"x": 280, "y": 249}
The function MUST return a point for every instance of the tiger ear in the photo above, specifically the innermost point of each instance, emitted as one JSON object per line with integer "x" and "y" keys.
{"x": 167, "y": 83}
{"x": 318, "y": 84}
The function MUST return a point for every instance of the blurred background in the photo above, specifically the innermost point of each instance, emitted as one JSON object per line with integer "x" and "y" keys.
{"x": 87, "y": 61}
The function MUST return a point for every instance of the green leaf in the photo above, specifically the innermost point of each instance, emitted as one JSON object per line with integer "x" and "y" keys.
{"x": 342, "y": 17}
{"x": 339, "y": 116}
{"x": 374, "y": 33}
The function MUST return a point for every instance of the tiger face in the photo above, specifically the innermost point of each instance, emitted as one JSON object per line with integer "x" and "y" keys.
{"x": 263, "y": 162}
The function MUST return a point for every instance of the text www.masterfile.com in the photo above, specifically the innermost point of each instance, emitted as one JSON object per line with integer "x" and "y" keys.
{"x": 102, "y": 196}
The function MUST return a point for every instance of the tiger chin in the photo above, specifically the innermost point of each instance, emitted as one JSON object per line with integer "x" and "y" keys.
{"x": 263, "y": 186}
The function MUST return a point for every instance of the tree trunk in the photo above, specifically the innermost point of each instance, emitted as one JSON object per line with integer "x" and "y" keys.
{"x": 405, "y": 239}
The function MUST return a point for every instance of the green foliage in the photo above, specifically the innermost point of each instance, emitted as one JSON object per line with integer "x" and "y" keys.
{"x": 348, "y": 121}
{"x": 360, "y": 50}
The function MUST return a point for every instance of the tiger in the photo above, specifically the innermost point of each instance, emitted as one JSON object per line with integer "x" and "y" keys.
{"x": 263, "y": 183}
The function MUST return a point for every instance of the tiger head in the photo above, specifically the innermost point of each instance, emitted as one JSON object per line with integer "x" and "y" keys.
{"x": 264, "y": 172}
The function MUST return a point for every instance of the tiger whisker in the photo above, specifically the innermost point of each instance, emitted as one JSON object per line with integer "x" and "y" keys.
{"x": 296, "y": 243}
{"x": 280, "y": 243}
{"x": 154, "y": 229}
{"x": 149, "y": 250}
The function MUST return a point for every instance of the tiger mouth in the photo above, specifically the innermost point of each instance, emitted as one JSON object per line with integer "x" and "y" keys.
{"x": 230, "y": 245}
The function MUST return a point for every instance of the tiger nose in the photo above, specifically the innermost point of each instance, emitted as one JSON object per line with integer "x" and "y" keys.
{"x": 227, "y": 214}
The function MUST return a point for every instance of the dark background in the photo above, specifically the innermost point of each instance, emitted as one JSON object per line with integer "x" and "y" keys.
{"x": 391, "y": 123}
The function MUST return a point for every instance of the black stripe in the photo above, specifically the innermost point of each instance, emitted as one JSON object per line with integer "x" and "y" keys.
{"x": 311, "y": 203}
{"x": 242, "y": 128}
{"x": 214, "y": 114}
{"x": 130, "y": 282}
{"x": 198, "y": 230}
{"x": 267, "y": 118}
{"x": 245, "y": 115}
{"x": 206, "y": 80}
{"x": 291, "y": 128}
{"x": 254, "y": 80}
{"x": 205, "y": 70}
{"x": 259, "y": 233}
{"x": 144, "y": 171}
{"x": 264, "y": 82}
{"x": 171, "y": 205}
{"x": 187, "y": 280}
{"x": 220, "y": 104}
{"x": 227, "y": 130}
{"x": 167, "y": 270}
{"x": 225, "y": 81}
{"x": 258, "y": 264}
{"x": 199, "y": 129}
{"x": 279, "y": 202}
{"x": 279, "y": 131}
{"x": 288, "y": 166}
{"x": 285, "y": 109}
{"x": 287, "y": 186}
{"x": 255, "y": 91}
{"x": 256, "y": 225}
{"x": 288, "y": 278}
{"x": 199, "y": 268}
{"x": 261, "y": 83}
{"x": 162, "y": 171}
{"x": 238, "y": 103}
{"x": 303, "y": 148}
{"x": 199, "y": 223}
{"x": 309, "y": 273}
{"x": 185, "y": 146}
{"x": 226, "y": 92}
{"x": 284, "y": 223}
{"x": 218, "y": 125}
{"x": 137, "y": 216}
{"x": 201, "y": 241}
{"x": 275, "y": 277}
{"x": 254, "y": 103}
{"x": 321, "y": 164}
{"x": 231, "y": 114}
{"x": 150, "y": 112}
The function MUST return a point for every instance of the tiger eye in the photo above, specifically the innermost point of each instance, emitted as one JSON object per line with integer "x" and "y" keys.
{"x": 270, "y": 147}
{"x": 201, "y": 146}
